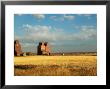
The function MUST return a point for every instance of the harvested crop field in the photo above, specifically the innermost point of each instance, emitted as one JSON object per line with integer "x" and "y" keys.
{"x": 55, "y": 66}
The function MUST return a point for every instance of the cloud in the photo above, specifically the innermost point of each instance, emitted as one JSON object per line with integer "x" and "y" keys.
{"x": 51, "y": 34}
{"x": 69, "y": 17}
{"x": 28, "y": 47}
{"x": 54, "y": 18}
{"x": 62, "y": 18}
{"x": 39, "y": 16}
{"x": 26, "y": 44}
{"x": 37, "y": 32}
{"x": 19, "y": 14}
{"x": 31, "y": 35}
{"x": 86, "y": 15}
{"x": 78, "y": 27}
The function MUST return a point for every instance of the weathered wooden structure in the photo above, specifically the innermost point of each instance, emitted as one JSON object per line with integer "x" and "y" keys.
{"x": 43, "y": 48}
{"x": 17, "y": 48}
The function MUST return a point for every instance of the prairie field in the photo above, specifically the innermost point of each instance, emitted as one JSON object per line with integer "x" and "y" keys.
{"x": 55, "y": 65}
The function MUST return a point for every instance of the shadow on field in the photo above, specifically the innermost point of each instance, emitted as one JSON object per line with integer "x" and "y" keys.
{"x": 54, "y": 70}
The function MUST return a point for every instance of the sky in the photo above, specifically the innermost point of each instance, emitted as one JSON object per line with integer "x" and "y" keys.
{"x": 63, "y": 32}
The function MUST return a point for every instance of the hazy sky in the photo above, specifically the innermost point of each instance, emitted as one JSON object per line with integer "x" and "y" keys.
{"x": 63, "y": 32}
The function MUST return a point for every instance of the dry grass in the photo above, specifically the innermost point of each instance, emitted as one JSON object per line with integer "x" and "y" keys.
{"x": 55, "y": 66}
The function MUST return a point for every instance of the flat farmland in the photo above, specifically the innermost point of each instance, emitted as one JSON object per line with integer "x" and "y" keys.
{"x": 55, "y": 65}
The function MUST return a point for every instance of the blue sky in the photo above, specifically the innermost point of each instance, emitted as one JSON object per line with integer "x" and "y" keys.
{"x": 63, "y": 32}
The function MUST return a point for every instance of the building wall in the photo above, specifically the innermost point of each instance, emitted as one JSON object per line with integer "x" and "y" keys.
{"x": 43, "y": 48}
{"x": 17, "y": 48}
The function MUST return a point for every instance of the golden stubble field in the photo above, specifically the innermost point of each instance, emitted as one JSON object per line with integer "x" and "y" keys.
{"x": 55, "y": 66}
